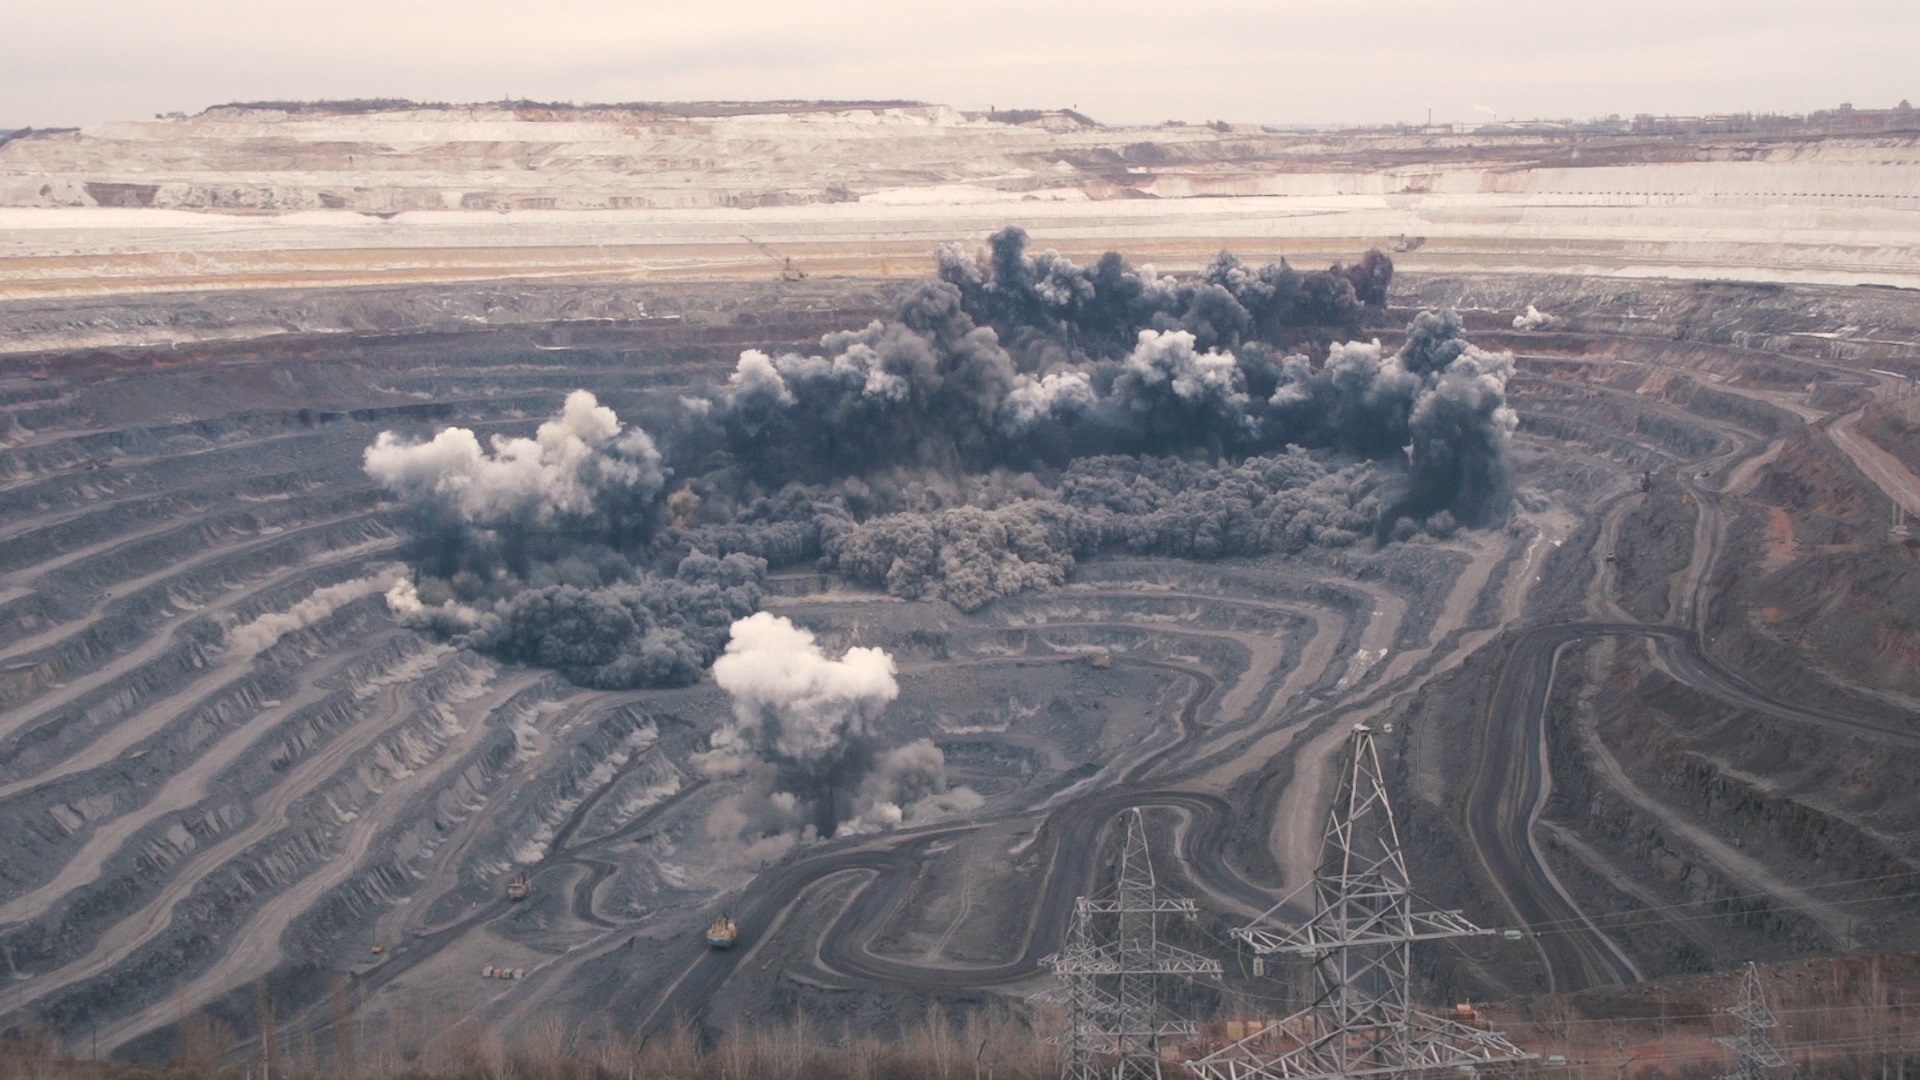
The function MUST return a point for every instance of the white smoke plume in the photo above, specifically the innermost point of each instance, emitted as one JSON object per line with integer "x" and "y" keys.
{"x": 1169, "y": 359}
{"x": 800, "y": 734}
{"x": 756, "y": 375}
{"x": 1035, "y": 401}
{"x": 758, "y": 811}
{"x": 573, "y": 458}
{"x": 1532, "y": 319}
{"x": 790, "y": 701}
{"x": 404, "y": 601}
{"x": 262, "y": 632}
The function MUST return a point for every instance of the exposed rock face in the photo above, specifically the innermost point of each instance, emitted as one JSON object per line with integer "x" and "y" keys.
{"x": 499, "y": 157}
{"x": 487, "y": 192}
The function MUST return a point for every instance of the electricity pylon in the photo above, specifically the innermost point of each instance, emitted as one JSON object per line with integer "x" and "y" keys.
{"x": 1757, "y": 1055}
{"x": 1360, "y": 939}
{"x": 1113, "y": 964}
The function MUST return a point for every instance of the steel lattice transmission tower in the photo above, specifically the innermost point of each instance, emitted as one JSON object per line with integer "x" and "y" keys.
{"x": 1757, "y": 1055}
{"x": 1360, "y": 939}
{"x": 1113, "y": 965}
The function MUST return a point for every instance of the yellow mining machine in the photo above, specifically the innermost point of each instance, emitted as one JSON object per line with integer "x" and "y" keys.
{"x": 723, "y": 933}
{"x": 788, "y": 271}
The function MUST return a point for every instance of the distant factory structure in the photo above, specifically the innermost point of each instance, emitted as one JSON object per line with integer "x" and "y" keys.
{"x": 1842, "y": 120}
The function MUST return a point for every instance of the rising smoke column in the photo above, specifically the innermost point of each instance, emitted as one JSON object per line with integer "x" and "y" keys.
{"x": 1169, "y": 393}
{"x": 896, "y": 397}
{"x": 1106, "y": 359}
{"x": 800, "y": 720}
{"x": 1012, "y": 360}
{"x": 790, "y": 701}
{"x": 801, "y": 733}
{"x": 922, "y": 389}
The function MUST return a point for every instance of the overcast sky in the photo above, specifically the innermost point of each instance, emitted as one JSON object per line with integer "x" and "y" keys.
{"x": 65, "y": 62}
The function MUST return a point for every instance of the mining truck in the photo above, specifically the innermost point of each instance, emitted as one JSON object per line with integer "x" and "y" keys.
{"x": 723, "y": 933}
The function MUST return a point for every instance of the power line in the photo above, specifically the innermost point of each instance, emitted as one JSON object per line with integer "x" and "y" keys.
{"x": 1634, "y": 918}
{"x": 1567, "y": 926}
{"x": 1360, "y": 940}
{"x": 1757, "y": 1055}
{"x": 1113, "y": 964}
{"x": 1678, "y": 1017}
{"x": 1851, "y": 1042}
{"x": 1626, "y": 920}
{"x": 1863, "y": 1042}
{"x": 1851, "y": 883}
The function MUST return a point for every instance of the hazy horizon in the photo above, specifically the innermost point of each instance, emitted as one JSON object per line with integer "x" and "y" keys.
{"x": 1480, "y": 116}
{"x": 1130, "y": 63}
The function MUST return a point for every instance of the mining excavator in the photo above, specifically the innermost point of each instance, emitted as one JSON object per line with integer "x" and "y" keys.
{"x": 788, "y": 271}
{"x": 723, "y": 933}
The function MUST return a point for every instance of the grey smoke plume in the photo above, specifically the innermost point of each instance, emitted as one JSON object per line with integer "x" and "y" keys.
{"x": 966, "y": 555}
{"x": 1166, "y": 362}
{"x": 1197, "y": 370}
{"x": 650, "y": 630}
{"x": 1461, "y": 430}
{"x": 921, "y": 390}
{"x": 1038, "y": 400}
{"x": 1013, "y": 417}
{"x": 907, "y": 784}
{"x": 515, "y": 544}
{"x": 972, "y": 555}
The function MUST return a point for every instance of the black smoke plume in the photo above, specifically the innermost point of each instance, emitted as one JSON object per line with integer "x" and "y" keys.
{"x": 1099, "y": 310}
{"x": 1014, "y": 415}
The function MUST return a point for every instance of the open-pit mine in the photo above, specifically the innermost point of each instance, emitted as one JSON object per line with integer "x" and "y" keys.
{"x": 634, "y": 567}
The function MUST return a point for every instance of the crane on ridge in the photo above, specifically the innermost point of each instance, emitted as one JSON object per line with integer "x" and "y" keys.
{"x": 788, "y": 271}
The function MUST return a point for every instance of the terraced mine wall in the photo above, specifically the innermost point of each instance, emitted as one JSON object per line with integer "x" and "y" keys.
{"x": 194, "y": 815}
{"x": 1743, "y": 802}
